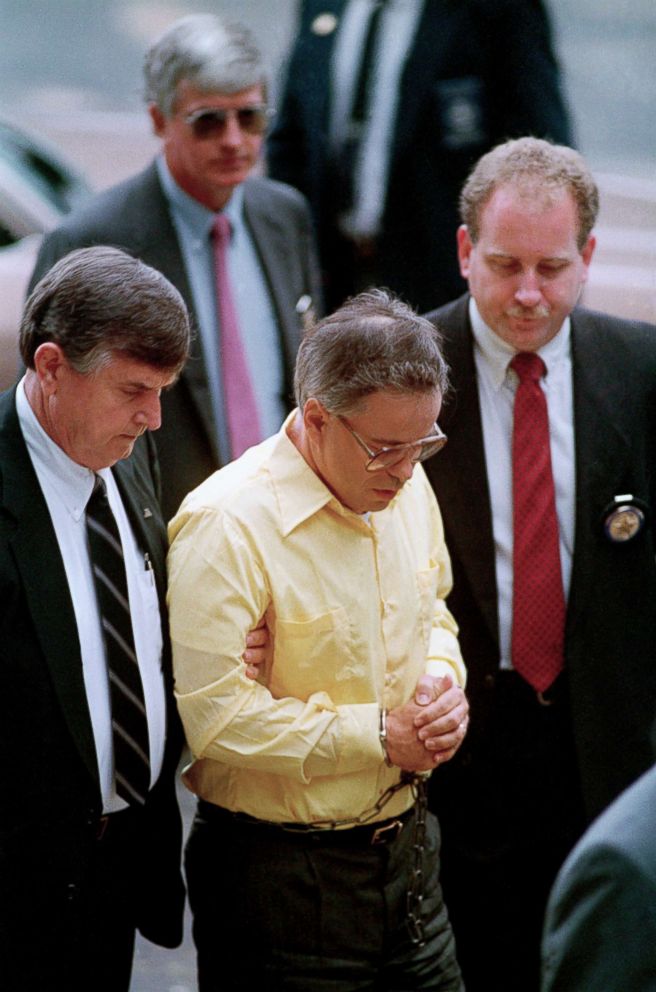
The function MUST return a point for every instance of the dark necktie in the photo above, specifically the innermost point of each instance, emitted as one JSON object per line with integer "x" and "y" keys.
{"x": 360, "y": 108}
{"x": 238, "y": 393}
{"x": 538, "y": 626}
{"x": 129, "y": 723}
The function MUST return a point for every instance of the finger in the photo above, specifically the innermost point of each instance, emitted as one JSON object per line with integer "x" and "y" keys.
{"x": 453, "y": 701}
{"x": 257, "y": 638}
{"x": 449, "y": 741}
{"x": 425, "y": 691}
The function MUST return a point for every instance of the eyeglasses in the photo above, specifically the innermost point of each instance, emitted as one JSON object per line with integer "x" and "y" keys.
{"x": 210, "y": 123}
{"x": 394, "y": 454}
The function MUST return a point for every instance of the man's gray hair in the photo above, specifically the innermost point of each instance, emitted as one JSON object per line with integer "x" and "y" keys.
{"x": 213, "y": 55}
{"x": 536, "y": 167}
{"x": 373, "y": 342}
{"x": 96, "y": 302}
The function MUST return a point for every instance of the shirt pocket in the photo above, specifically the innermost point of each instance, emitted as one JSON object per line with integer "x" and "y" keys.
{"x": 315, "y": 654}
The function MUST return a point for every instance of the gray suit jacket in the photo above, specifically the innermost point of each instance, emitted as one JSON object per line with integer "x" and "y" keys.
{"x": 134, "y": 216}
{"x": 600, "y": 930}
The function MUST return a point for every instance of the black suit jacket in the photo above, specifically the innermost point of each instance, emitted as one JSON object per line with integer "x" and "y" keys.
{"x": 134, "y": 216}
{"x": 607, "y": 887}
{"x": 611, "y": 611}
{"x": 50, "y": 798}
{"x": 477, "y": 73}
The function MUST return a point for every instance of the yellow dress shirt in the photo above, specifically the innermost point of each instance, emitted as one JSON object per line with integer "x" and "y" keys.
{"x": 355, "y": 606}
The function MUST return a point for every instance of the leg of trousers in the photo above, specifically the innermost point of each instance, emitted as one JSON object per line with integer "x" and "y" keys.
{"x": 299, "y": 913}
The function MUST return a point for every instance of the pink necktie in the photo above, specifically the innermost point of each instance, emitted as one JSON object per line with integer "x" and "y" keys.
{"x": 238, "y": 394}
{"x": 538, "y": 628}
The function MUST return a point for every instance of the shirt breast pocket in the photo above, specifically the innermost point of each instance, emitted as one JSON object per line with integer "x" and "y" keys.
{"x": 314, "y": 654}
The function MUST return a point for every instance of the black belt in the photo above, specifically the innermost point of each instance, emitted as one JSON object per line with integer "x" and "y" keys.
{"x": 379, "y": 832}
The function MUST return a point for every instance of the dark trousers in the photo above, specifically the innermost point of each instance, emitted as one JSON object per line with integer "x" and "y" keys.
{"x": 74, "y": 931}
{"x": 510, "y": 808}
{"x": 313, "y": 912}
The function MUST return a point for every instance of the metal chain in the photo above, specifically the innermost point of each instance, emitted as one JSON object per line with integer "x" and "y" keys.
{"x": 407, "y": 779}
{"x": 415, "y": 895}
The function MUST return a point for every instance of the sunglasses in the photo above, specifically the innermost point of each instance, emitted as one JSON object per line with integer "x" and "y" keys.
{"x": 211, "y": 122}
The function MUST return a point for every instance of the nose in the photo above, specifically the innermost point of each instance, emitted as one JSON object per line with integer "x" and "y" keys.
{"x": 403, "y": 470}
{"x": 528, "y": 292}
{"x": 231, "y": 133}
{"x": 150, "y": 414}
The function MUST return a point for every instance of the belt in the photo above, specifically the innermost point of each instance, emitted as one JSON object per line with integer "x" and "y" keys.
{"x": 362, "y": 835}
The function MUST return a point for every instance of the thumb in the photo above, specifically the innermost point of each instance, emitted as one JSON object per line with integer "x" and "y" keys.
{"x": 425, "y": 690}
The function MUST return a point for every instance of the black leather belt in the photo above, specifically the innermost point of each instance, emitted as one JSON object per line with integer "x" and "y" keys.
{"x": 379, "y": 832}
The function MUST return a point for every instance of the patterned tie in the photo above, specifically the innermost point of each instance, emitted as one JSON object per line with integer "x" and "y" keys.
{"x": 538, "y": 628}
{"x": 241, "y": 408}
{"x": 129, "y": 724}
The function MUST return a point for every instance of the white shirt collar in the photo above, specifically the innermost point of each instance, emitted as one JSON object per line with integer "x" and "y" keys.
{"x": 496, "y": 353}
{"x": 72, "y": 483}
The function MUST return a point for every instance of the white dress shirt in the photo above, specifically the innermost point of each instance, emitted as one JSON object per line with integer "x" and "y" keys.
{"x": 497, "y": 385}
{"x": 66, "y": 488}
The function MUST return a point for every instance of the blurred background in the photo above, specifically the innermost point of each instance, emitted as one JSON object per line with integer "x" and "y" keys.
{"x": 70, "y": 73}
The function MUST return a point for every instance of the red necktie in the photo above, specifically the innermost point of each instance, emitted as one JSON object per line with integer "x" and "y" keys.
{"x": 538, "y": 627}
{"x": 238, "y": 394}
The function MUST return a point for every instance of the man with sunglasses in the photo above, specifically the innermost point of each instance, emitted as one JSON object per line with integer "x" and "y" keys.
{"x": 311, "y": 831}
{"x": 206, "y": 93}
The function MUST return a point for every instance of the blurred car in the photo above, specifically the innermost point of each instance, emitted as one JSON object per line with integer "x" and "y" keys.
{"x": 37, "y": 187}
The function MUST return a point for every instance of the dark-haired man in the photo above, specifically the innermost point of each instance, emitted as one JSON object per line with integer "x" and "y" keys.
{"x": 90, "y": 831}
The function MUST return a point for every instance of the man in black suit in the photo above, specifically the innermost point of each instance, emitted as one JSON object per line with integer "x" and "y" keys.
{"x": 85, "y": 859}
{"x": 207, "y": 99}
{"x": 382, "y": 154}
{"x": 600, "y": 930}
{"x": 539, "y": 763}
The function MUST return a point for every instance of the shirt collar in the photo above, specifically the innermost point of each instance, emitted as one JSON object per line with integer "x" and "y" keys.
{"x": 72, "y": 483}
{"x": 194, "y": 215}
{"x": 299, "y": 490}
{"x": 496, "y": 353}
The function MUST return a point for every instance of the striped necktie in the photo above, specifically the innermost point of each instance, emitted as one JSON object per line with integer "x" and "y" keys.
{"x": 129, "y": 723}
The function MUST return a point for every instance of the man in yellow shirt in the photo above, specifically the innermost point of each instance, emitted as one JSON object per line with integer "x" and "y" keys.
{"x": 312, "y": 863}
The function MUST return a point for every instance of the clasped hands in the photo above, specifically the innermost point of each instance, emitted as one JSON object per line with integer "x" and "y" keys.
{"x": 423, "y": 733}
{"x": 428, "y": 729}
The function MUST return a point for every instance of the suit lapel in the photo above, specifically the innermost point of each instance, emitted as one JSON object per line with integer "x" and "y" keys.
{"x": 458, "y": 473}
{"x": 603, "y": 448}
{"x": 38, "y": 559}
{"x": 156, "y": 243}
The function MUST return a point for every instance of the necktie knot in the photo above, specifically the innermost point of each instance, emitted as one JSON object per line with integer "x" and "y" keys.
{"x": 528, "y": 365}
{"x": 221, "y": 229}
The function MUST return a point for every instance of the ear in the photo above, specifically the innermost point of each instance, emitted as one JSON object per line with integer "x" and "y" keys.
{"x": 315, "y": 418}
{"x": 586, "y": 254}
{"x": 50, "y": 365}
{"x": 158, "y": 119}
{"x": 465, "y": 246}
